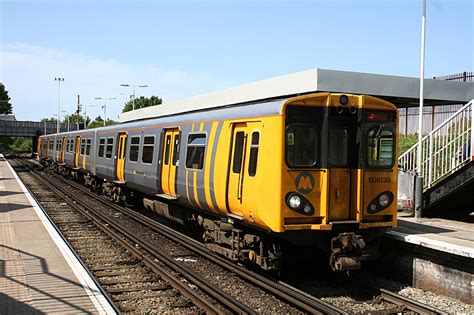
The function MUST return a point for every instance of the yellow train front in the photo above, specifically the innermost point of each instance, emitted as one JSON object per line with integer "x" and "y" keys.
{"x": 326, "y": 176}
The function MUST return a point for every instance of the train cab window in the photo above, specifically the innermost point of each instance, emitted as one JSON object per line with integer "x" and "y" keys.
{"x": 100, "y": 153}
{"x": 254, "y": 153}
{"x": 238, "y": 152}
{"x": 301, "y": 145}
{"x": 134, "y": 147}
{"x": 83, "y": 146}
{"x": 338, "y": 147}
{"x": 88, "y": 146}
{"x": 148, "y": 148}
{"x": 380, "y": 147}
{"x": 195, "y": 151}
{"x": 176, "y": 149}
{"x": 109, "y": 148}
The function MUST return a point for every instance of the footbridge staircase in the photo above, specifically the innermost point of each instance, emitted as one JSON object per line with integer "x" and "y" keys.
{"x": 447, "y": 164}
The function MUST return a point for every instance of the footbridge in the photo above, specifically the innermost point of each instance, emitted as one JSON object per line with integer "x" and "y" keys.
{"x": 32, "y": 129}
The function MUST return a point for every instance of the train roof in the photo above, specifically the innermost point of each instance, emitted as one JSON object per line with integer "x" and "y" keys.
{"x": 402, "y": 91}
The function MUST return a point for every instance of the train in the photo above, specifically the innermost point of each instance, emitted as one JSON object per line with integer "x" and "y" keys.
{"x": 308, "y": 171}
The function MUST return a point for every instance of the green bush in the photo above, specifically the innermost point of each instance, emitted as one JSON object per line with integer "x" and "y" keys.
{"x": 8, "y": 144}
{"x": 406, "y": 142}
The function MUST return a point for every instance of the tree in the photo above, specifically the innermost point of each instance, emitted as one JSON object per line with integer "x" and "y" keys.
{"x": 5, "y": 106}
{"x": 99, "y": 122}
{"x": 142, "y": 102}
{"x": 49, "y": 120}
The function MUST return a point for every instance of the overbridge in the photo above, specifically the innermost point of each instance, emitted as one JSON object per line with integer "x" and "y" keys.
{"x": 32, "y": 129}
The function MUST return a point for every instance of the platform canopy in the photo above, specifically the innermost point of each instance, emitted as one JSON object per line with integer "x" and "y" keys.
{"x": 402, "y": 91}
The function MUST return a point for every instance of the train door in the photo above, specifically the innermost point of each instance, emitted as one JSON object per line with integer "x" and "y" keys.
{"x": 340, "y": 139}
{"x": 46, "y": 149}
{"x": 76, "y": 152}
{"x": 241, "y": 189}
{"x": 120, "y": 163}
{"x": 170, "y": 161}
{"x": 63, "y": 148}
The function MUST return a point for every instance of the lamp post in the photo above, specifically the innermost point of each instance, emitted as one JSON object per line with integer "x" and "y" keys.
{"x": 64, "y": 115}
{"x": 104, "y": 107}
{"x": 85, "y": 114}
{"x": 59, "y": 101}
{"x": 134, "y": 87}
{"x": 419, "y": 170}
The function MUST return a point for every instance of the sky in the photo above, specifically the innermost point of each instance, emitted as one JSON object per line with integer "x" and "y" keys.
{"x": 184, "y": 48}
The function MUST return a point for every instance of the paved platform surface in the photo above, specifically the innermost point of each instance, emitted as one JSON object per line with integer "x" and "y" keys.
{"x": 439, "y": 234}
{"x": 38, "y": 272}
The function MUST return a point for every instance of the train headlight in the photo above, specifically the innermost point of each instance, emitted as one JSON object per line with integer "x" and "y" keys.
{"x": 299, "y": 203}
{"x": 384, "y": 199}
{"x": 343, "y": 99}
{"x": 294, "y": 201}
{"x": 380, "y": 202}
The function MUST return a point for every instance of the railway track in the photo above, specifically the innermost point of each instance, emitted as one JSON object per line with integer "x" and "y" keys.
{"x": 126, "y": 268}
{"x": 148, "y": 254}
{"x": 405, "y": 304}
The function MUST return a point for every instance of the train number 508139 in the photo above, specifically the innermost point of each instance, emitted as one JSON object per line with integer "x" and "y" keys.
{"x": 378, "y": 180}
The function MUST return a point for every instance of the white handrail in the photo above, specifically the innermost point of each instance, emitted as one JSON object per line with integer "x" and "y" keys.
{"x": 445, "y": 149}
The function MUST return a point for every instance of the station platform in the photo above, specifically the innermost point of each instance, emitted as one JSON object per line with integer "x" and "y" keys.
{"x": 442, "y": 235}
{"x": 38, "y": 271}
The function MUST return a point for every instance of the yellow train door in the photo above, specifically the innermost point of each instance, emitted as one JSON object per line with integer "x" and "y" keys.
{"x": 241, "y": 191}
{"x": 340, "y": 173}
{"x": 76, "y": 152}
{"x": 120, "y": 163}
{"x": 63, "y": 148}
{"x": 169, "y": 161}
{"x": 40, "y": 147}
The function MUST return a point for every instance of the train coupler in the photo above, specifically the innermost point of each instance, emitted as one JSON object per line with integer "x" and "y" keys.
{"x": 346, "y": 252}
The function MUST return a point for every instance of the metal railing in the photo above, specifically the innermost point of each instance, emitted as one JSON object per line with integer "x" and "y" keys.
{"x": 445, "y": 149}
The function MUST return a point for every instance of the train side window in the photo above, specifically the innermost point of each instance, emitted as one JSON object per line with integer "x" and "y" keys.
{"x": 238, "y": 152}
{"x": 176, "y": 149}
{"x": 167, "y": 149}
{"x": 195, "y": 151}
{"x": 100, "y": 153}
{"x": 83, "y": 146}
{"x": 254, "y": 153}
{"x": 148, "y": 148}
{"x": 88, "y": 146}
{"x": 301, "y": 144}
{"x": 380, "y": 147}
{"x": 134, "y": 147}
{"x": 109, "y": 148}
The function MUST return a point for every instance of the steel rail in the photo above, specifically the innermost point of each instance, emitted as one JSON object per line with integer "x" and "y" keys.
{"x": 410, "y": 304}
{"x": 204, "y": 304}
{"x": 304, "y": 302}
